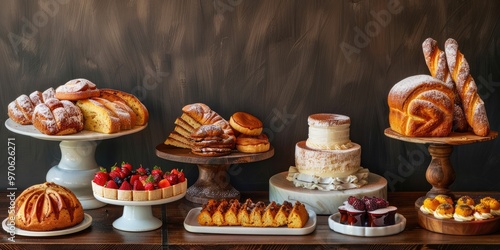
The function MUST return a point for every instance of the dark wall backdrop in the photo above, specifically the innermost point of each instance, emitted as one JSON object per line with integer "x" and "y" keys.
{"x": 279, "y": 60}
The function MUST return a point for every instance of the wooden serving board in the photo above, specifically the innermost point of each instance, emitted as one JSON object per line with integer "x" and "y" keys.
{"x": 451, "y": 226}
{"x": 452, "y": 139}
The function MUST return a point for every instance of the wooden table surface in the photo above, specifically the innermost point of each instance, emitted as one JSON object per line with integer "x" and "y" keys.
{"x": 172, "y": 235}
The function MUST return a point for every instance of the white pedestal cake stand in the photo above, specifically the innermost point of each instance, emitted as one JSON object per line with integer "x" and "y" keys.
{"x": 138, "y": 215}
{"x": 77, "y": 166}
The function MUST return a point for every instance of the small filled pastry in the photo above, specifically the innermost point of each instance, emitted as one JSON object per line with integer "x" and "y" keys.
{"x": 493, "y": 204}
{"x": 429, "y": 205}
{"x": 463, "y": 212}
{"x": 483, "y": 212}
{"x": 442, "y": 198}
{"x": 444, "y": 211}
{"x": 466, "y": 200}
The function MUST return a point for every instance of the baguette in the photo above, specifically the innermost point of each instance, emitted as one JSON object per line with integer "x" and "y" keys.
{"x": 438, "y": 67}
{"x": 473, "y": 105}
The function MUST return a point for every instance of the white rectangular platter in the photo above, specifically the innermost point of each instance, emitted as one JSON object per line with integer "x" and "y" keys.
{"x": 191, "y": 225}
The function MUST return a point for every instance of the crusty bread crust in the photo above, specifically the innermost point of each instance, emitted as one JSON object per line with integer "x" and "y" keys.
{"x": 421, "y": 106}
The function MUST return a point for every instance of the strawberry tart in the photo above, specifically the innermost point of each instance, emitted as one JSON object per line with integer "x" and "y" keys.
{"x": 142, "y": 184}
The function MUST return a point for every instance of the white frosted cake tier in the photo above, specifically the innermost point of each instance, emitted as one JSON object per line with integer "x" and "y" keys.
{"x": 328, "y": 131}
{"x": 327, "y": 163}
{"x": 323, "y": 202}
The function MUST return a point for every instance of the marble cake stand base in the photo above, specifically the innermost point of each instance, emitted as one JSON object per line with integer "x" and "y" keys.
{"x": 322, "y": 202}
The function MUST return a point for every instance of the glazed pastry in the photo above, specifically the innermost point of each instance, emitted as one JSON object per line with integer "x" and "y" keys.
{"x": 246, "y": 123}
{"x": 463, "y": 212}
{"x": 493, "y": 203}
{"x": 466, "y": 200}
{"x": 429, "y": 205}
{"x": 444, "y": 211}
{"x": 250, "y": 214}
{"x": 483, "y": 212}
{"x": 444, "y": 199}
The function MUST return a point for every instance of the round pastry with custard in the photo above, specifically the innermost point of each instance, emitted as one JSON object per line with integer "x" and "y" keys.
{"x": 47, "y": 207}
{"x": 463, "y": 212}
{"x": 246, "y": 123}
{"x": 429, "y": 205}
{"x": 442, "y": 198}
{"x": 252, "y": 144}
{"x": 466, "y": 200}
{"x": 444, "y": 211}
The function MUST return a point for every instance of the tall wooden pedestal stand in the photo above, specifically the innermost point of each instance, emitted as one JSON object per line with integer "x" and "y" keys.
{"x": 440, "y": 174}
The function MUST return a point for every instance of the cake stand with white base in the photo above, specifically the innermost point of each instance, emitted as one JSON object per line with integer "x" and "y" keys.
{"x": 138, "y": 215}
{"x": 440, "y": 174}
{"x": 77, "y": 166}
{"x": 323, "y": 202}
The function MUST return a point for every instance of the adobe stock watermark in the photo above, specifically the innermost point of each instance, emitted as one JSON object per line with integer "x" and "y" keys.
{"x": 486, "y": 87}
{"x": 363, "y": 37}
{"x": 30, "y": 27}
{"x": 222, "y": 6}
{"x": 406, "y": 167}
{"x": 149, "y": 82}
{"x": 279, "y": 121}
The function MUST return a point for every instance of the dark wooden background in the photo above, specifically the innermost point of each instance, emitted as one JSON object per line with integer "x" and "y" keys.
{"x": 279, "y": 60}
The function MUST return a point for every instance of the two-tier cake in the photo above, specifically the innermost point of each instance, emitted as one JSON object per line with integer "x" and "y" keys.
{"x": 327, "y": 168}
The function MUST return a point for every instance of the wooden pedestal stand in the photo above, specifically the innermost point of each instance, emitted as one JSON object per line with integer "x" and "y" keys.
{"x": 213, "y": 179}
{"x": 440, "y": 175}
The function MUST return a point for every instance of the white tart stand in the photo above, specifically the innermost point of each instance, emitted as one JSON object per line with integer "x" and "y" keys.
{"x": 323, "y": 202}
{"x": 77, "y": 166}
{"x": 138, "y": 215}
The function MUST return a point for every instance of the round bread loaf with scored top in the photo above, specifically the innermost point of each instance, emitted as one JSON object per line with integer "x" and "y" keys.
{"x": 47, "y": 207}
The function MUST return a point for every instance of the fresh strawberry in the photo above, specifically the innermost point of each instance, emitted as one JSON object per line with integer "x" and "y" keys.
{"x": 138, "y": 185}
{"x": 125, "y": 186}
{"x": 111, "y": 184}
{"x": 150, "y": 183}
{"x": 157, "y": 177}
{"x": 125, "y": 171}
{"x": 181, "y": 176}
{"x": 101, "y": 177}
{"x": 174, "y": 171}
{"x": 157, "y": 170}
{"x": 114, "y": 174}
{"x": 163, "y": 183}
{"x": 127, "y": 166}
{"x": 172, "y": 178}
{"x": 149, "y": 186}
{"x": 141, "y": 171}
{"x": 143, "y": 178}
{"x": 134, "y": 178}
